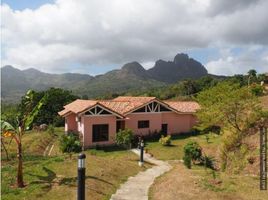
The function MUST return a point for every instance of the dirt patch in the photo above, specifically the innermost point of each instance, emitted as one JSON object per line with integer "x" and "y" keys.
{"x": 264, "y": 102}
{"x": 181, "y": 183}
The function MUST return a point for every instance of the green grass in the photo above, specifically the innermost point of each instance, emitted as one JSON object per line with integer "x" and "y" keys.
{"x": 175, "y": 151}
{"x": 55, "y": 177}
{"x": 247, "y": 187}
{"x": 34, "y": 143}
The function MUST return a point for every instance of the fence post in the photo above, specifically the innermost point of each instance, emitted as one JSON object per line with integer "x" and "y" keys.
{"x": 141, "y": 153}
{"x": 81, "y": 177}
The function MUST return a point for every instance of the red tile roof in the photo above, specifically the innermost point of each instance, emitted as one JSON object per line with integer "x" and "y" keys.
{"x": 183, "y": 106}
{"x": 125, "y": 104}
{"x": 78, "y": 106}
{"x": 118, "y": 106}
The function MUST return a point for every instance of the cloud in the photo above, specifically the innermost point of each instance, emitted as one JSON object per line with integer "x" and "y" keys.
{"x": 229, "y": 63}
{"x": 56, "y": 37}
{"x": 218, "y": 7}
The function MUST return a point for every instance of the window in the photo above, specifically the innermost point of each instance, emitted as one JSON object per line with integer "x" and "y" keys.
{"x": 100, "y": 132}
{"x": 143, "y": 124}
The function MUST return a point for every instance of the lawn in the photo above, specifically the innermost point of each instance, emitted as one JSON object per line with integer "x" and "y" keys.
{"x": 54, "y": 177}
{"x": 175, "y": 151}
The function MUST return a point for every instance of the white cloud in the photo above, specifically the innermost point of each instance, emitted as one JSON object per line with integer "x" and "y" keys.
{"x": 229, "y": 63}
{"x": 112, "y": 32}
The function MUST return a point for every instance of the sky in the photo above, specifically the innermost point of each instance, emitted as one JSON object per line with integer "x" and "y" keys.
{"x": 93, "y": 37}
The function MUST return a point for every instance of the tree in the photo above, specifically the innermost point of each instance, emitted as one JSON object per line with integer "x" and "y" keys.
{"x": 188, "y": 87}
{"x": 232, "y": 108}
{"x": 24, "y": 119}
{"x": 53, "y": 101}
{"x": 252, "y": 75}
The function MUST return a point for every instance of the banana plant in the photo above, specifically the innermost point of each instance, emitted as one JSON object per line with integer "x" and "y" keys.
{"x": 16, "y": 133}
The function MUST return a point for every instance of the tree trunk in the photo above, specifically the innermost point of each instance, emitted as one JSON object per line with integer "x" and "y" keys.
{"x": 20, "y": 183}
{"x": 5, "y": 149}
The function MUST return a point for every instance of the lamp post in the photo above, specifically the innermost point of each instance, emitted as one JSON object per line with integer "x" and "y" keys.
{"x": 81, "y": 177}
{"x": 141, "y": 153}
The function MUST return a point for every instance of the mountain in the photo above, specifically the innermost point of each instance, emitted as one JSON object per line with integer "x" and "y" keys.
{"x": 131, "y": 76}
{"x": 182, "y": 67}
{"x": 15, "y": 82}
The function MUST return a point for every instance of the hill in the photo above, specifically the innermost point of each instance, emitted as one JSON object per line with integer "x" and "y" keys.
{"x": 15, "y": 82}
{"x": 131, "y": 76}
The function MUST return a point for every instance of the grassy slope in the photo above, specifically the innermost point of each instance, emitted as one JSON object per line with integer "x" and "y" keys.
{"x": 55, "y": 177}
{"x": 175, "y": 152}
{"x": 197, "y": 183}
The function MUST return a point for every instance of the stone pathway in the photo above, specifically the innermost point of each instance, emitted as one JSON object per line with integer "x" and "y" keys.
{"x": 136, "y": 188}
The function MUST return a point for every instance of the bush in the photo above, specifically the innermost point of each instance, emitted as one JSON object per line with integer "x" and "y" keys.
{"x": 187, "y": 160}
{"x": 70, "y": 143}
{"x": 124, "y": 138}
{"x": 208, "y": 162}
{"x": 194, "y": 150}
{"x": 257, "y": 90}
{"x": 165, "y": 141}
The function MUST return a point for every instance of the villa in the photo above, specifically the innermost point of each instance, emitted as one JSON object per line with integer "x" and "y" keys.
{"x": 99, "y": 120}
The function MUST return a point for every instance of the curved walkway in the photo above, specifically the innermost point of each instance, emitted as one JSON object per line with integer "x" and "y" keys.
{"x": 136, "y": 188}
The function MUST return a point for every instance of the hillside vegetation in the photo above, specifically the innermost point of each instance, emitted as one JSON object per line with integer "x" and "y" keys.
{"x": 131, "y": 76}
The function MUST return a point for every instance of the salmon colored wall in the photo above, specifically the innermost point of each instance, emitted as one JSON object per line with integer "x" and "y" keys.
{"x": 155, "y": 122}
{"x": 194, "y": 120}
{"x": 178, "y": 123}
{"x": 87, "y": 123}
{"x": 70, "y": 123}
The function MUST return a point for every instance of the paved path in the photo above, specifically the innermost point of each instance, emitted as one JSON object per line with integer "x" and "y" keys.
{"x": 136, "y": 188}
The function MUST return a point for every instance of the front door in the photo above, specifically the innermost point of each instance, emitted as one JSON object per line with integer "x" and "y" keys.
{"x": 164, "y": 129}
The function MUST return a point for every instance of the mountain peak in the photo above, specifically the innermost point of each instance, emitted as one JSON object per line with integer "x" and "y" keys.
{"x": 9, "y": 68}
{"x": 133, "y": 67}
{"x": 181, "y": 68}
{"x": 31, "y": 70}
{"x": 181, "y": 58}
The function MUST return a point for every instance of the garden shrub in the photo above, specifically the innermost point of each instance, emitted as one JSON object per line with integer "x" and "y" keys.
{"x": 192, "y": 152}
{"x": 165, "y": 141}
{"x": 124, "y": 138}
{"x": 187, "y": 160}
{"x": 70, "y": 143}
